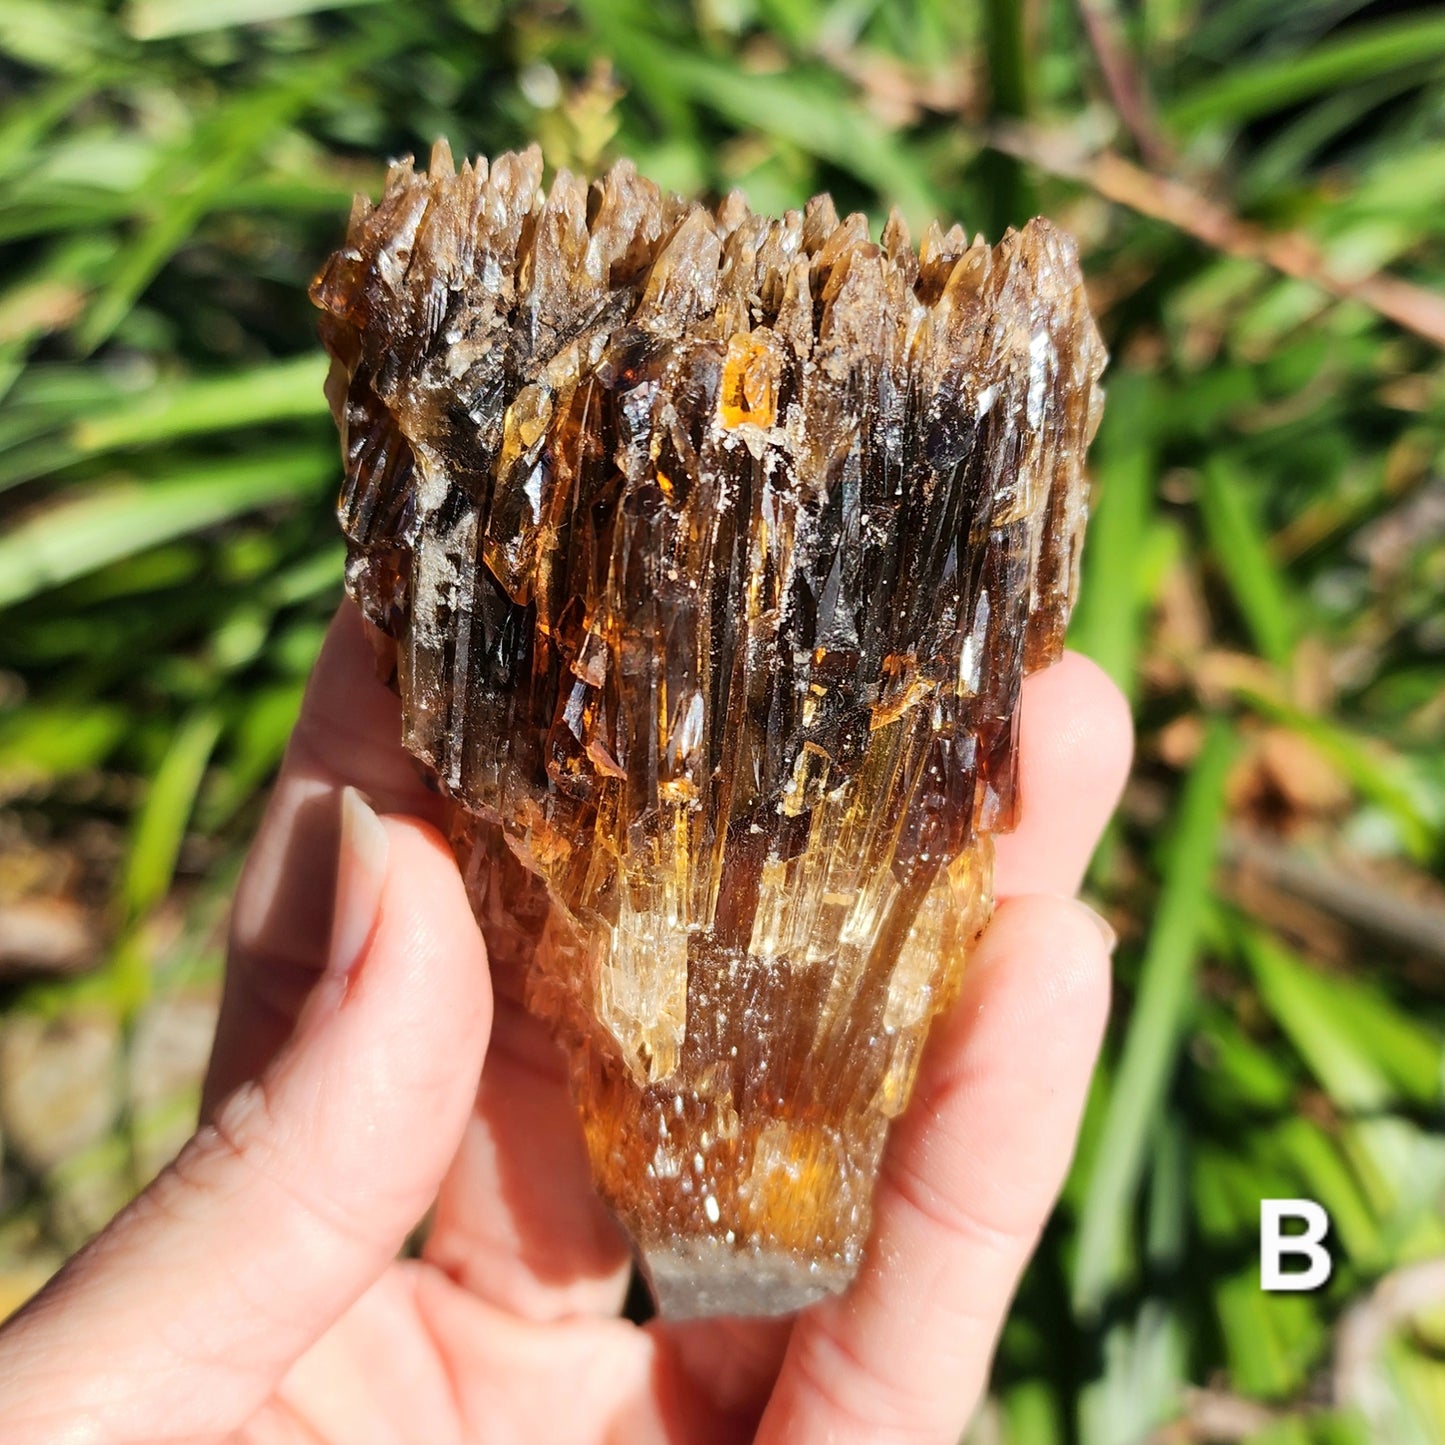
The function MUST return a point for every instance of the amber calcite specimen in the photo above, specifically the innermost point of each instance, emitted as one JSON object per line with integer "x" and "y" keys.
{"x": 710, "y": 550}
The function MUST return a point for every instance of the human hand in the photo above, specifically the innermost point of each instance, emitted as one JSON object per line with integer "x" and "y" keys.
{"x": 252, "y": 1292}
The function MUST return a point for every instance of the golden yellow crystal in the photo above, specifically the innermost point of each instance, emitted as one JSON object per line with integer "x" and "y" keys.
{"x": 711, "y": 550}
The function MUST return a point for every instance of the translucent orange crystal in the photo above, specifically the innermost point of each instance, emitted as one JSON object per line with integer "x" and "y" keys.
{"x": 711, "y": 549}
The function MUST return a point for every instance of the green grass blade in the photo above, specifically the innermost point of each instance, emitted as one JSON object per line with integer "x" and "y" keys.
{"x": 1144, "y": 1365}
{"x": 190, "y": 185}
{"x": 1242, "y": 555}
{"x": 60, "y": 39}
{"x": 1009, "y": 71}
{"x": 1400, "y": 1167}
{"x": 28, "y": 120}
{"x": 1270, "y": 1339}
{"x": 116, "y": 520}
{"x": 1247, "y": 90}
{"x": 812, "y": 111}
{"x": 161, "y": 19}
{"x": 1152, "y": 1042}
{"x": 256, "y": 740}
{"x": 1326, "y": 1177}
{"x": 1365, "y": 1053}
{"x": 1030, "y": 1409}
{"x": 280, "y": 391}
{"x": 1007, "y": 191}
{"x": 1108, "y": 622}
{"x": 160, "y": 827}
{"x": 52, "y": 740}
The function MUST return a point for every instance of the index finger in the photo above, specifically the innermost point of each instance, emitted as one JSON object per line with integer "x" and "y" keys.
{"x": 1075, "y": 745}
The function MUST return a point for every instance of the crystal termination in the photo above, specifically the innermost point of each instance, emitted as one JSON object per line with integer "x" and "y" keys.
{"x": 707, "y": 552}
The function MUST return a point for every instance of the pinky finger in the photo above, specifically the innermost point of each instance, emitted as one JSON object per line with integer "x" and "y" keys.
{"x": 970, "y": 1177}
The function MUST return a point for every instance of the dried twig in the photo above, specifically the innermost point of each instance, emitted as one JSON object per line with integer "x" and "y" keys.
{"x": 1126, "y": 85}
{"x": 1413, "y": 927}
{"x": 1364, "y": 1330}
{"x": 1214, "y": 1417}
{"x": 1186, "y": 209}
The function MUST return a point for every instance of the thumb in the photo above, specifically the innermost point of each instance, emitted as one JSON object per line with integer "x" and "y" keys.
{"x": 180, "y": 1319}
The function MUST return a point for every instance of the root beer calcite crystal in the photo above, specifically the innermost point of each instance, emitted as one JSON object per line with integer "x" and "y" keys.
{"x": 710, "y": 550}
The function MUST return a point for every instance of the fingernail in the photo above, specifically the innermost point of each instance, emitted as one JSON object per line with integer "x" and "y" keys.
{"x": 1106, "y": 930}
{"x": 360, "y": 873}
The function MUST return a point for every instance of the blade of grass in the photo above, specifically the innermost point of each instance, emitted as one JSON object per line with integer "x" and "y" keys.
{"x": 1246, "y": 1077}
{"x": 162, "y": 19}
{"x": 160, "y": 827}
{"x": 1256, "y": 1330}
{"x": 46, "y": 299}
{"x": 256, "y": 739}
{"x": 62, "y": 210}
{"x": 1288, "y": 151}
{"x": 1242, "y": 555}
{"x": 1007, "y": 191}
{"x": 188, "y": 185}
{"x": 1031, "y": 1411}
{"x": 1364, "y": 1052}
{"x": 812, "y": 113}
{"x": 279, "y": 391}
{"x": 48, "y": 397}
{"x": 1152, "y": 1043}
{"x": 30, "y": 118}
{"x": 1144, "y": 1358}
{"x": 1400, "y": 1167}
{"x": 811, "y": 110}
{"x": 1270, "y": 1341}
{"x": 316, "y": 574}
{"x": 115, "y": 520}
{"x": 1360, "y": 53}
{"x": 46, "y": 741}
{"x": 1108, "y": 623}
{"x": 56, "y": 38}
{"x": 1327, "y": 1178}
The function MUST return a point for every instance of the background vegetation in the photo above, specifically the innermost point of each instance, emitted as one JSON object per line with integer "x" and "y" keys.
{"x": 1260, "y": 191}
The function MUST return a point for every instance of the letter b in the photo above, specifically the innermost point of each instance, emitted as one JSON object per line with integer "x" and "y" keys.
{"x": 1275, "y": 1244}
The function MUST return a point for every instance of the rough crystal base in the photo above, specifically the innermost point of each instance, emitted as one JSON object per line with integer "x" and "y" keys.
{"x": 693, "y": 1277}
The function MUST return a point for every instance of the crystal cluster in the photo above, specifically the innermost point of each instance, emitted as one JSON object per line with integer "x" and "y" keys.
{"x": 707, "y": 552}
